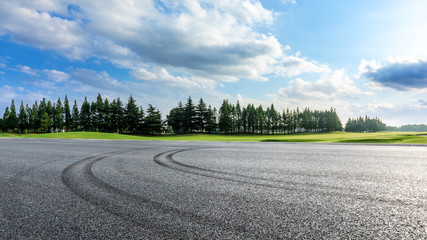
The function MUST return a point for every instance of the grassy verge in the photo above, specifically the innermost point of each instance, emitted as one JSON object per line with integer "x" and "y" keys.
{"x": 337, "y": 137}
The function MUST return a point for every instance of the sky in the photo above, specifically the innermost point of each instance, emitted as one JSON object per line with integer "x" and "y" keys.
{"x": 359, "y": 57}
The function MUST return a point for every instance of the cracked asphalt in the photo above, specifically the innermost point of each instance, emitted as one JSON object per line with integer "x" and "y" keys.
{"x": 104, "y": 189}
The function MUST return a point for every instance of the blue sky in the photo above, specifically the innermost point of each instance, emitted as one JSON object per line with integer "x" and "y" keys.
{"x": 360, "y": 57}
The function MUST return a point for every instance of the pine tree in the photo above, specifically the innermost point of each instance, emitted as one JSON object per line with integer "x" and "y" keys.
{"x": 190, "y": 116}
{"x": 59, "y": 116}
{"x": 13, "y": 119}
{"x": 132, "y": 115}
{"x": 225, "y": 121}
{"x": 105, "y": 125}
{"x": 99, "y": 114}
{"x": 45, "y": 122}
{"x": 153, "y": 120}
{"x": 201, "y": 115}
{"x": 67, "y": 113}
{"x": 6, "y": 115}
{"x": 23, "y": 118}
{"x": 75, "y": 117}
{"x": 85, "y": 115}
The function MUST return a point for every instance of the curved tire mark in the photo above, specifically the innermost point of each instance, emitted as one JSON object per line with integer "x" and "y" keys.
{"x": 165, "y": 159}
{"x": 139, "y": 210}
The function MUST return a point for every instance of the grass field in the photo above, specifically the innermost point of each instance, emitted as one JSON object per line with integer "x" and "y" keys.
{"x": 336, "y": 137}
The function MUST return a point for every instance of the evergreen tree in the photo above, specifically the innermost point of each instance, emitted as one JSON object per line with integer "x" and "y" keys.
{"x": 225, "y": 121}
{"x": 141, "y": 120}
{"x": 59, "y": 116}
{"x": 13, "y": 119}
{"x": 85, "y": 115}
{"x": 35, "y": 118}
{"x": 211, "y": 119}
{"x": 105, "y": 124}
{"x": 201, "y": 115}
{"x": 23, "y": 118}
{"x": 238, "y": 117}
{"x": 45, "y": 122}
{"x": 75, "y": 117}
{"x": 99, "y": 115}
{"x": 153, "y": 120}
{"x": 132, "y": 115}
{"x": 190, "y": 116}
{"x": 260, "y": 119}
{"x": 6, "y": 115}
{"x": 93, "y": 117}
{"x": 67, "y": 114}
{"x": 30, "y": 120}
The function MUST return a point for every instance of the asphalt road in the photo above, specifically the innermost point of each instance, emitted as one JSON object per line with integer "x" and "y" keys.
{"x": 101, "y": 189}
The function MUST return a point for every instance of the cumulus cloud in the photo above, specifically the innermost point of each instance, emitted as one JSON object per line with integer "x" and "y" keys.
{"x": 398, "y": 74}
{"x": 30, "y": 23}
{"x": 55, "y": 75}
{"x": 27, "y": 70}
{"x": 162, "y": 75}
{"x": 203, "y": 41}
{"x": 331, "y": 84}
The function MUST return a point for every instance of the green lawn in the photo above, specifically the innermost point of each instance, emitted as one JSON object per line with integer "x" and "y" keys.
{"x": 336, "y": 137}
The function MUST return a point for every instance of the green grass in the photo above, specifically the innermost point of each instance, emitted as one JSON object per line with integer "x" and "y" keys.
{"x": 336, "y": 137}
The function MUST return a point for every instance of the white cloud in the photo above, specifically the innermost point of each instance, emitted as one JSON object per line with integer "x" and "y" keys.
{"x": 55, "y": 75}
{"x": 163, "y": 76}
{"x": 27, "y": 70}
{"x": 209, "y": 40}
{"x": 289, "y": 2}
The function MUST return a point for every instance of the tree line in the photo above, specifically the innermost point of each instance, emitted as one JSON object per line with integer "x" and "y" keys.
{"x": 230, "y": 118}
{"x": 99, "y": 115}
{"x": 103, "y": 116}
{"x": 409, "y": 128}
{"x": 364, "y": 125}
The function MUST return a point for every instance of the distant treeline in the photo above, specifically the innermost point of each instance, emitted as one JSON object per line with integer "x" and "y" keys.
{"x": 409, "y": 128}
{"x": 232, "y": 118}
{"x": 100, "y": 115}
{"x": 103, "y": 116}
{"x": 364, "y": 125}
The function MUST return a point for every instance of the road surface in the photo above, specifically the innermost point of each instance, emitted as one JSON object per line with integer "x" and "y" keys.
{"x": 103, "y": 189}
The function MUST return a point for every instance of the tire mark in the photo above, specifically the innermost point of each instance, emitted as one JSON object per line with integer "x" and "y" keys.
{"x": 165, "y": 159}
{"x": 138, "y": 209}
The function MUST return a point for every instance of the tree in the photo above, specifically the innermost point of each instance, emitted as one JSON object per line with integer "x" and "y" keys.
{"x": 58, "y": 119}
{"x": 98, "y": 113}
{"x": 34, "y": 119}
{"x": 211, "y": 123}
{"x": 225, "y": 121}
{"x": 45, "y": 122}
{"x": 201, "y": 115}
{"x": 67, "y": 114}
{"x": 105, "y": 124}
{"x": 238, "y": 117}
{"x": 75, "y": 117}
{"x": 260, "y": 117}
{"x": 13, "y": 119}
{"x": 175, "y": 119}
{"x": 23, "y": 118}
{"x": 190, "y": 116}
{"x": 6, "y": 115}
{"x": 153, "y": 120}
{"x": 132, "y": 115}
{"x": 85, "y": 115}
